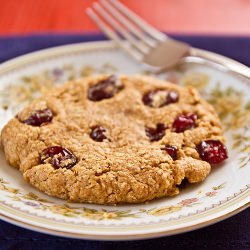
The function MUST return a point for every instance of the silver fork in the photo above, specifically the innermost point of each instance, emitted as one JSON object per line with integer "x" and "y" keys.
{"x": 149, "y": 46}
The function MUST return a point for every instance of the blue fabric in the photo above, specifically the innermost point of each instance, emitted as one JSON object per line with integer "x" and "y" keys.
{"x": 233, "y": 233}
{"x": 237, "y": 48}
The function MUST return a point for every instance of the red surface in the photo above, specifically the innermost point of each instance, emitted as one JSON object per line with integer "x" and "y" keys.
{"x": 176, "y": 16}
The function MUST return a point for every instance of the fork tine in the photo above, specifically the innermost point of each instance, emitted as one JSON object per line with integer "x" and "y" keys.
{"x": 139, "y": 21}
{"x": 112, "y": 35}
{"x": 129, "y": 25}
{"x": 119, "y": 28}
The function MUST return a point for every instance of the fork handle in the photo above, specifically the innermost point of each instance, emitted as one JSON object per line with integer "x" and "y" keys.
{"x": 218, "y": 61}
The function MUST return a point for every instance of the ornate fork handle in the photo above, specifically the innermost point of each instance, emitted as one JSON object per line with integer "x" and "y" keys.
{"x": 218, "y": 61}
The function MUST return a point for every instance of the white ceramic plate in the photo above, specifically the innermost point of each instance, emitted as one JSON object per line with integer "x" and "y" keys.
{"x": 225, "y": 192}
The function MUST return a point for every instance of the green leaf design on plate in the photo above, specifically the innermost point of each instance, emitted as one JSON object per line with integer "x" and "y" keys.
{"x": 219, "y": 186}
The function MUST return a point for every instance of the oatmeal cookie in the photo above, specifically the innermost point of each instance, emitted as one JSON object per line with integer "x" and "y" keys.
{"x": 109, "y": 140}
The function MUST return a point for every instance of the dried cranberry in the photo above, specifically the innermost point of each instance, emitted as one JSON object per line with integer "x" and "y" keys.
{"x": 155, "y": 134}
{"x": 39, "y": 117}
{"x": 105, "y": 89}
{"x": 212, "y": 151}
{"x": 98, "y": 133}
{"x": 172, "y": 97}
{"x": 159, "y": 98}
{"x": 58, "y": 156}
{"x": 172, "y": 151}
{"x": 184, "y": 122}
{"x": 148, "y": 98}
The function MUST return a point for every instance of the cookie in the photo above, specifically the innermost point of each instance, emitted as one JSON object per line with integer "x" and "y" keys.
{"x": 109, "y": 140}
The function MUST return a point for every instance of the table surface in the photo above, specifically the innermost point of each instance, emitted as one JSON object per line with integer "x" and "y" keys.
{"x": 174, "y": 16}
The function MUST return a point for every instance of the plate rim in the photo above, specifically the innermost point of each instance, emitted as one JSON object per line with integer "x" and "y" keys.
{"x": 116, "y": 237}
{"x": 143, "y": 236}
{"x": 53, "y": 52}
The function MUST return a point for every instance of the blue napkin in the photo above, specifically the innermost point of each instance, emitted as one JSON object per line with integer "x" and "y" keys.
{"x": 233, "y": 233}
{"x": 237, "y": 48}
